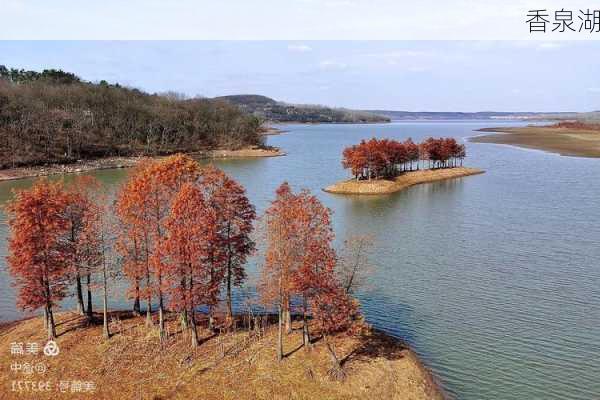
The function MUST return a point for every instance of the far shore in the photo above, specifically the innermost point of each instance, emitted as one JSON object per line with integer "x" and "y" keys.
{"x": 564, "y": 141}
{"x": 127, "y": 162}
{"x": 272, "y": 131}
{"x": 403, "y": 181}
{"x": 240, "y": 364}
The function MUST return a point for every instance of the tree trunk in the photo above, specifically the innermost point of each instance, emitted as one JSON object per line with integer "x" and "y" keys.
{"x": 280, "y": 333}
{"x": 229, "y": 306}
{"x": 305, "y": 331}
{"x": 184, "y": 320}
{"x": 105, "y": 330}
{"x": 161, "y": 318}
{"x": 45, "y": 318}
{"x": 194, "y": 329}
{"x": 287, "y": 317}
{"x": 229, "y": 272}
{"x": 80, "y": 307}
{"x": 51, "y": 325}
{"x": 211, "y": 319}
{"x": 89, "y": 311}
{"x": 136, "y": 302}
{"x": 336, "y": 372}
{"x": 148, "y": 311}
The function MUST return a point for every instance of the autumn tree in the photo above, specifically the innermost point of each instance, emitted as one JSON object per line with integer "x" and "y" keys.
{"x": 310, "y": 245}
{"x": 275, "y": 284}
{"x": 143, "y": 205}
{"x": 385, "y": 158}
{"x": 76, "y": 207}
{"x": 95, "y": 246}
{"x": 80, "y": 196}
{"x": 190, "y": 229}
{"x": 235, "y": 217}
{"x": 39, "y": 253}
{"x": 133, "y": 241}
{"x": 299, "y": 254}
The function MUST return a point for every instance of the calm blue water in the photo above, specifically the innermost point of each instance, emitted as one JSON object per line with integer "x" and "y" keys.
{"x": 493, "y": 279}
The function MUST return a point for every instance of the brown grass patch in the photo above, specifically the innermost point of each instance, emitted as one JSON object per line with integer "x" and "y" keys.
{"x": 241, "y": 365}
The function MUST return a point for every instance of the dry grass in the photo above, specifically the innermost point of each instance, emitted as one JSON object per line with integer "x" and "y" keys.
{"x": 406, "y": 180}
{"x": 574, "y": 141}
{"x": 133, "y": 365}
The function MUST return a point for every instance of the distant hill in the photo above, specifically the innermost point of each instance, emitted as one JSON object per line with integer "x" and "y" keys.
{"x": 277, "y": 111}
{"x": 432, "y": 115}
{"x": 53, "y": 116}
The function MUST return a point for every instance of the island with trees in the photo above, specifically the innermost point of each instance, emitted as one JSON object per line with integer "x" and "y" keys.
{"x": 55, "y": 122}
{"x": 383, "y": 166}
{"x": 177, "y": 237}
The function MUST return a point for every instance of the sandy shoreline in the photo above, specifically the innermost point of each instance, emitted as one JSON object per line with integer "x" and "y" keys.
{"x": 563, "y": 141}
{"x": 406, "y": 180}
{"x": 240, "y": 365}
{"x": 126, "y": 162}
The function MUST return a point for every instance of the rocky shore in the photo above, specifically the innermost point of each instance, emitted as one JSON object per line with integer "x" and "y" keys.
{"x": 126, "y": 162}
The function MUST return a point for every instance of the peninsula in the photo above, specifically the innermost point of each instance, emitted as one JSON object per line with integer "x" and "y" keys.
{"x": 237, "y": 365}
{"x": 574, "y": 139}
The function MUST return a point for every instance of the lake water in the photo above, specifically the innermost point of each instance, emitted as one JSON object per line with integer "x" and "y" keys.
{"x": 493, "y": 279}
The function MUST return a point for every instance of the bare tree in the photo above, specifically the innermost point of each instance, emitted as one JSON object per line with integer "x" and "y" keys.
{"x": 353, "y": 267}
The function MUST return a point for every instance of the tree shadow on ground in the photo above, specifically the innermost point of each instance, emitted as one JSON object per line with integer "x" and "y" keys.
{"x": 377, "y": 344}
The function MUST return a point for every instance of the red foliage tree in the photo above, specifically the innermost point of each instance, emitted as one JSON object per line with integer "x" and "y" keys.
{"x": 80, "y": 196}
{"x": 143, "y": 205}
{"x": 39, "y": 252}
{"x": 313, "y": 255}
{"x": 380, "y": 158}
{"x": 191, "y": 229}
{"x": 299, "y": 256}
{"x": 235, "y": 217}
{"x": 276, "y": 283}
{"x": 95, "y": 244}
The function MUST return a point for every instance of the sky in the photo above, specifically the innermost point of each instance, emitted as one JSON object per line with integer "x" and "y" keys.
{"x": 392, "y": 75}
{"x": 283, "y": 19}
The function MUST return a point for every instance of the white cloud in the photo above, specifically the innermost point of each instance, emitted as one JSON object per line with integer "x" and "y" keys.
{"x": 400, "y": 54}
{"x": 339, "y": 3}
{"x": 549, "y": 46}
{"x": 301, "y": 48}
{"x": 593, "y": 89}
{"x": 331, "y": 64}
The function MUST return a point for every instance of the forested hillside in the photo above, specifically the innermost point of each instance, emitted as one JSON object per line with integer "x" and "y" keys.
{"x": 272, "y": 110}
{"x": 54, "y": 116}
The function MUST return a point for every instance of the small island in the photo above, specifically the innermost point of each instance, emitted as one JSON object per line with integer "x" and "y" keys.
{"x": 401, "y": 182}
{"x": 567, "y": 138}
{"x": 387, "y": 166}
